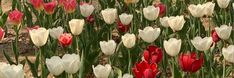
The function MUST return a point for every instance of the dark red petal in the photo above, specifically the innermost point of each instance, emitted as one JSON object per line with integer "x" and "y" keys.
{"x": 148, "y": 73}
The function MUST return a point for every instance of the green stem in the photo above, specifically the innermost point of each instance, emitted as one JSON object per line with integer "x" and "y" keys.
{"x": 129, "y": 62}
{"x": 81, "y": 73}
{"x": 223, "y": 68}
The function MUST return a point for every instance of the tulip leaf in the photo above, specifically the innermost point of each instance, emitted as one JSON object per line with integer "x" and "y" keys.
{"x": 9, "y": 59}
{"x": 28, "y": 16}
{"x": 14, "y": 48}
{"x": 176, "y": 72}
{"x": 33, "y": 67}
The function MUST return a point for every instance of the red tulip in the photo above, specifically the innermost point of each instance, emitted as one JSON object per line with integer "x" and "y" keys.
{"x": 121, "y": 27}
{"x": 153, "y": 54}
{"x": 15, "y": 17}
{"x": 215, "y": 36}
{"x": 145, "y": 70}
{"x": 190, "y": 62}
{"x": 37, "y": 4}
{"x": 90, "y": 19}
{"x": 69, "y": 6}
{"x": 49, "y": 7}
{"x": 65, "y": 39}
{"x": 2, "y": 33}
{"x": 61, "y": 2}
{"x": 162, "y": 8}
{"x": 34, "y": 27}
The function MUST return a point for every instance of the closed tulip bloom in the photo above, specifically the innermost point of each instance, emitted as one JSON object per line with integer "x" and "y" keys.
{"x": 15, "y": 17}
{"x": 164, "y": 21}
{"x": 109, "y": 15}
{"x": 151, "y": 13}
{"x": 172, "y": 46}
{"x": 61, "y": 2}
{"x": 56, "y": 32}
{"x": 144, "y": 69}
{"x": 125, "y": 19}
{"x": 202, "y": 44}
{"x": 228, "y": 53}
{"x": 126, "y": 75}
{"x": 90, "y": 19}
{"x": 86, "y": 9}
{"x": 149, "y": 34}
{"x": 223, "y": 3}
{"x": 37, "y": 4}
{"x": 153, "y": 54}
{"x": 2, "y": 33}
{"x": 39, "y": 36}
{"x": 224, "y": 31}
{"x": 176, "y": 23}
{"x": 71, "y": 63}
{"x": 76, "y": 26}
{"x": 131, "y": 1}
{"x": 129, "y": 40}
{"x": 101, "y": 71}
{"x": 196, "y": 10}
{"x": 121, "y": 27}
{"x": 65, "y": 39}
{"x": 209, "y": 8}
{"x": 108, "y": 47}
{"x": 69, "y": 6}
{"x": 55, "y": 65}
{"x": 215, "y": 36}
{"x": 162, "y": 8}
{"x": 233, "y": 6}
{"x": 50, "y": 7}
{"x": 11, "y": 71}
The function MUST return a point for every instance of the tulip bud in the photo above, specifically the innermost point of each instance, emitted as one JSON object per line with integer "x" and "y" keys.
{"x": 145, "y": 70}
{"x": 129, "y": 40}
{"x": 37, "y": 4}
{"x": 56, "y": 32}
{"x": 209, "y": 8}
{"x": 202, "y": 44}
{"x": 34, "y": 27}
{"x": 223, "y": 3}
{"x": 76, "y": 26}
{"x": 90, "y": 19}
{"x": 39, "y": 36}
{"x": 176, "y": 23}
{"x": 69, "y": 6}
{"x": 55, "y": 65}
{"x": 49, "y": 7}
{"x": 109, "y": 15}
{"x": 172, "y": 46}
{"x": 126, "y": 76}
{"x": 196, "y": 10}
{"x": 65, "y": 39}
{"x": 228, "y": 53}
{"x": 15, "y": 17}
{"x": 11, "y": 71}
{"x": 151, "y": 13}
{"x": 61, "y": 2}
{"x": 2, "y": 34}
{"x": 164, "y": 21}
{"x": 149, "y": 34}
{"x": 153, "y": 54}
{"x": 224, "y": 31}
{"x": 86, "y": 9}
{"x": 131, "y": 1}
{"x": 71, "y": 63}
{"x": 125, "y": 19}
{"x": 162, "y": 8}
{"x": 233, "y": 6}
{"x": 101, "y": 71}
{"x": 108, "y": 47}
{"x": 121, "y": 27}
{"x": 215, "y": 36}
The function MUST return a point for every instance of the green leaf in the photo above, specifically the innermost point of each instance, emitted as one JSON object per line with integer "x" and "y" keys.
{"x": 8, "y": 58}
{"x": 176, "y": 72}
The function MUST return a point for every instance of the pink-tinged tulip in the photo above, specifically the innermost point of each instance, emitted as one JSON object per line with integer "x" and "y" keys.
{"x": 15, "y": 17}
{"x": 153, "y": 54}
{"x": 2, "y": 33}
{"x": 34, "y": 27}
{"x": 121, "y": 27}
{"x": 90, "y": 19}
{"x": 65, "y": 39}
{"x": 145, "y": 70}
{"x": 215, "y": 36}
{"x": 37, "y": 4}
{"x": 60, "y": 2}
{"x": 162, "y": 8}
{"x": 190, "y": 62}
{"x": 49, "y": 7}
{"x": 69, "y": 6}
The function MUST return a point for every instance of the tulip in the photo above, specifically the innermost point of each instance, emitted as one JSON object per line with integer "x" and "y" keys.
{"x": 228, "y": 53}
{"x": 151, "y": 13}
{"x": 69, "y": 6}
{"x": 172, "y": 46}
{"x": 223, "y": 3}
{"x": 224, "y": 31}
{"x": 145, "y": 70}
{"x": 202, "y": 44}
{"x": 196, "y": 10}
{"x": 56, "y": 32}
{"x": 215, "y": 36}
{"x": 37, "y": 4}
{"x": 129, "y": 40}
{"x": 108, "y": 47}
{"x": 121, "y": 27}
{"x": 149, "y": 34}
{"x": 209, "y": 8}
{"x": 190, "y": 62}
{"x": 11, "y": 71}
{"x": 233, "y": 5}
{"x": 34, "y": 27}
{"x": 49, "y": 7}
{"x": 125, "y": 19}
{"x": 76, "y": 26}
{"x": 109, "y": 15}
{"x": 86, "y": 9}
{"x": 61, "y": 2}
{"x": 39, "y": 36}
{"x": 153, "y": 54}
{"x": 101, "y": 71}
{"x": 2, "y": 34}
{"x": 131, "y": 1}
{"x": 71, "y": 63}
{"x": 65, "y": 39}
{"x": 90, "y": 19}
{"x": 176, "y": 22}
{"x": 126, "y": 76}
{"x": 15, "y": 17}
{"x": 55, "y": 65}
{"x": 164, "y": 21}
{"x": 162, "y": 8}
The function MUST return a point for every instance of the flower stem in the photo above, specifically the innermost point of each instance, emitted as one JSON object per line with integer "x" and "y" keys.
{"x": 223, "y": 69}
{"x": 129, "y": 62}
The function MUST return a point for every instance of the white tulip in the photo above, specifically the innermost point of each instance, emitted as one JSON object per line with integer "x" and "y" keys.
{"x": 196, "y": 10}
{"x": 11, "y": 71}
{"x": 202, "y": 44}
{"x": 176, "y": 23}
{"x": 149, "y": 34}
{"x": 228, "y": 53}
{"x": 39, "y": 36}
{"x": 101, "y": 71}
{"x": 172, "y": 46}
{"x": 164, "y": 21}
{"x": 55, "y": 65}
{"x": 71, "y": 63}
{"x": 129, "y": 40}
{"x": 233, "y": 6}
{"x": 209, "y": 8}
{"x": 108, "y": 47}
{"x": 86, "y": 10}
{"x": 224, "y": 31}
{"x": 127, "y": 76}
{"x": 223, "y": 3}
{"x": 151, "y": 13}
{"x": 76, "y": 26}
{"x": 56, "y": 32}
{"x": 125, "y": 18}
{"x": 109, "y": 15}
